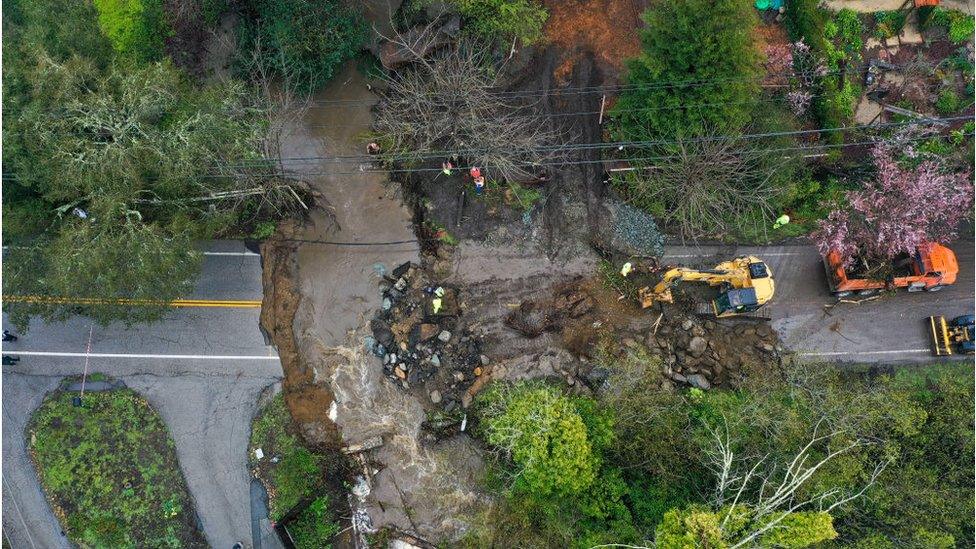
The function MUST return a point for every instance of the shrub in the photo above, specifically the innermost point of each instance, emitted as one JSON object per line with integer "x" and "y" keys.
{"x": 545, "y": 436}
{"x": 889, "y": 24}
{"x": 315, "y": 526}
{"x": 136, "y": 28}
{"x": 948, "y": 102}
{"x": 847, "y": 99}
{"x": 959, "y": 26}
{"x": 522, "y": 19}
{"x": 305, "y": 40}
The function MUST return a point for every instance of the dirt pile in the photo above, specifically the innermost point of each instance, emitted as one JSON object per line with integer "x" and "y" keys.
{"x": 591, "y": 321}
{"x": 423, "y": 343}
{"x": 606, "y": 29}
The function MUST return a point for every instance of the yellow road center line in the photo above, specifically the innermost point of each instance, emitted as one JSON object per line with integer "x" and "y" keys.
{"x": 55, "y": 300}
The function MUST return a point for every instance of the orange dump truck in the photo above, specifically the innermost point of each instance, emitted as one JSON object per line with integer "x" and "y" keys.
{"x": 930, "y": 268}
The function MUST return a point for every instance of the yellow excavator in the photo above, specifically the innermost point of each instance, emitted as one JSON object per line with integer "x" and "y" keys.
{"x": 745, "y": 284}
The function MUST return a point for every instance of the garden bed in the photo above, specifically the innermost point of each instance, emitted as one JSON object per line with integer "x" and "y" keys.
{"x": 110, "y": 471}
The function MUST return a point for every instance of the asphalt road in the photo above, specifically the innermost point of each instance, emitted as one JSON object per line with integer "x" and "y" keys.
{"x": 888, "y": 330}
{"x": 202, "y": 369}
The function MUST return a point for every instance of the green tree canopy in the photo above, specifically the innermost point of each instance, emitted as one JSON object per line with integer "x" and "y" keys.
{"x": 113, "y": 166}
{"x": 698, "y": 71}
{"x": 304, "y": 40}
{"x": 546, "y": 437}
{"x": 697, "y": 527}
{"x": 136, "y": 28}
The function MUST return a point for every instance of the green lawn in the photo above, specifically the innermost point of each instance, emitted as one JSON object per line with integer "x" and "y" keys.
{"x": 110, "y": 471}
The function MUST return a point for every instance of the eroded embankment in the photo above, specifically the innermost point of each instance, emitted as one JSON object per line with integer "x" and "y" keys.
{"x": 305, "y": 398}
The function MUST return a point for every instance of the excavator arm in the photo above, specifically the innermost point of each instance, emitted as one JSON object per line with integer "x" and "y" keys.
{"x": 671, "y": 278}
{"x": 747, "y": 284}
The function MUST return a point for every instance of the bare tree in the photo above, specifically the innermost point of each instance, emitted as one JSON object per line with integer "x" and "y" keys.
{"x": 771, "y": 489}
{"x": 444, "y": 104}
{"x": 708, "y": 185}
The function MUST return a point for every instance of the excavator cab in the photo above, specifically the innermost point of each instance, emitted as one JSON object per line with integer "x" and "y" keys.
{"x": 735, "y": 302}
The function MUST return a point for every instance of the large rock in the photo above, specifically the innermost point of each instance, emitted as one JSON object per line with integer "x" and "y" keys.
{"x": 698, "y": 380}
{"x": 697, "y": 345}
{"x": 428, "y": 331}
{"x": 382, "y": 333}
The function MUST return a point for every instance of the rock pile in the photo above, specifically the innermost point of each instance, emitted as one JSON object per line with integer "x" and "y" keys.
{"x": 424, "y": 346}
{"x": 705, "y": 353}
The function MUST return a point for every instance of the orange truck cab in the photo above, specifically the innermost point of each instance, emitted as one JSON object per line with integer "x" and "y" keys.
{"x": 930, "y": 268}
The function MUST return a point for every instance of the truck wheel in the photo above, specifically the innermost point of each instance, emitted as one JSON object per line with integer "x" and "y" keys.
{"x": 936, "y": 288}
{"x": 845, "y": 293}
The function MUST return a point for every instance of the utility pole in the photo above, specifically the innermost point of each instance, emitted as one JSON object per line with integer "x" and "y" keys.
{"x": 84, "y": 375}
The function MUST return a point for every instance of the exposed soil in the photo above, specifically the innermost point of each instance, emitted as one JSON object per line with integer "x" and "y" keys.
{"x": 607, "y": 30}
{"x": 306, "y": 399}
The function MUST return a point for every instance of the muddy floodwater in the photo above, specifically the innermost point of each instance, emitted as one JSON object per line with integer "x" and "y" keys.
{"x": 338, "y": 283}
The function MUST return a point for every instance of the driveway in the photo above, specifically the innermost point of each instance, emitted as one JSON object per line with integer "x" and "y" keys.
{"x": 201, "y": 368}
{"x": 812, "y": 323}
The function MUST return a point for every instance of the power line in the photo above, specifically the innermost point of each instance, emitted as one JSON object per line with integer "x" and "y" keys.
{"x": 599, "y": 161}
{"x": 662, "y": 84}
{"x": 608, "y": 113}
{"x": 620, "y": 145}
{"x": 436, "y": 155}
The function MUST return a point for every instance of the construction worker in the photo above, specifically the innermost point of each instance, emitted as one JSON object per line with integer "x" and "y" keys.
{"x": 447, "y": 167}
{"x": 781, "y": 221}
{"x": 626, "y": 269}
{"x": 479, "y": 184}
{"x": 373, "y": 148}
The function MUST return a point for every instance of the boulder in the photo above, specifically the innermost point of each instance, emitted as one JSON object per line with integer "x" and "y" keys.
{"x": 444, "y": 336}
{"x": 697, "y": 345}
{"x": 382, "y": 332}
{"x": 698, "y": 380}
{"x": 427, "y": 331}
{"x": 435, "y": 396}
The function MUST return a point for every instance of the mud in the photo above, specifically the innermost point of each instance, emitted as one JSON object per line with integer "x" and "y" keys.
{"x": 319, "y": 294}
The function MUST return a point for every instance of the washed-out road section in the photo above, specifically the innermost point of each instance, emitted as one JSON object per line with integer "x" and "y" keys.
{"x": 201, "y": 368}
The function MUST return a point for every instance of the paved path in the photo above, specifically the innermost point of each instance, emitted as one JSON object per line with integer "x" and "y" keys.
{"x": 889, "y": 330}
{"x": 202, "y": 369}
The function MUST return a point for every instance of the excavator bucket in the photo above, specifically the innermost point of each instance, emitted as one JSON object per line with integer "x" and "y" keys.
{"x": 939, "y": 332}
{"x": 648, "y": 297}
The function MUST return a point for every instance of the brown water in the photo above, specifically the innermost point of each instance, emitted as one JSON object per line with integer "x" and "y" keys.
{"x": 338, "y": 283}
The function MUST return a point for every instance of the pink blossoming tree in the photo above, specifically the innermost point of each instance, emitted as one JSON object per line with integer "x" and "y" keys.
{"x": 897, "y": 210}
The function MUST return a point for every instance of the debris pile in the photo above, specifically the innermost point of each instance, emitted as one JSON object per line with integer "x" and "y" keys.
{"x": 424, "y": 346}
{"x": 706, "y": 353}
{"x": 695, "y": 351}
{"x": 533, "y": 317}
